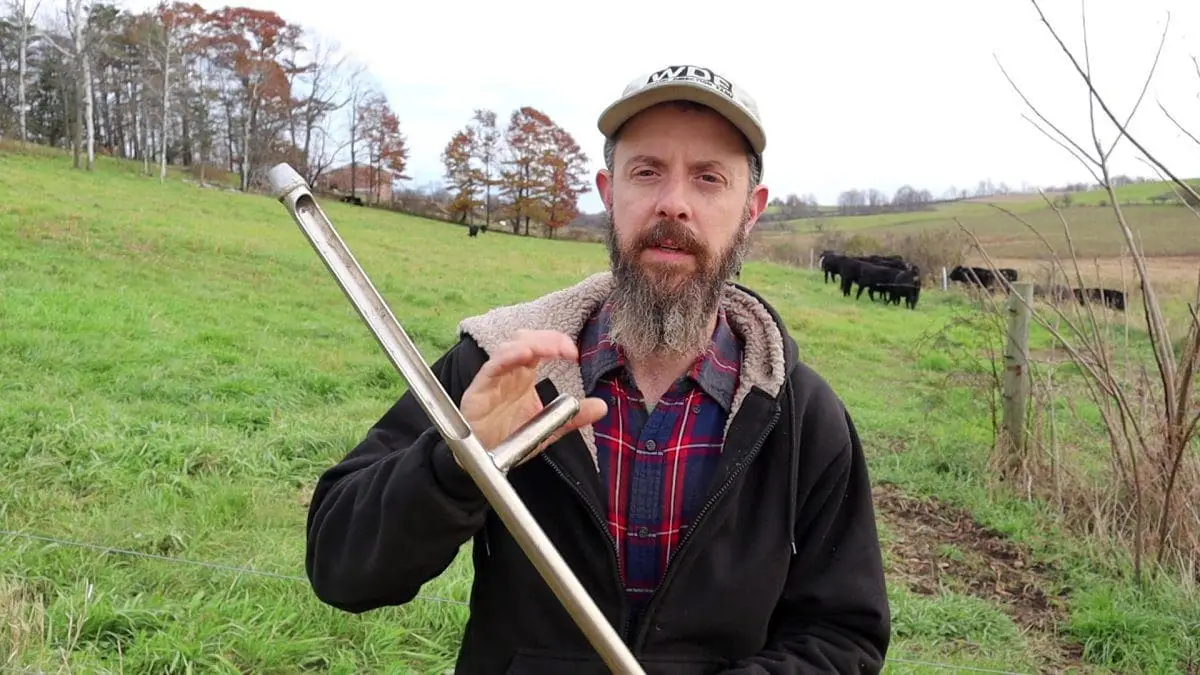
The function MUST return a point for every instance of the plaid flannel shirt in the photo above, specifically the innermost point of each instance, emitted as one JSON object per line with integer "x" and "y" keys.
{"x": 656, "y": 465}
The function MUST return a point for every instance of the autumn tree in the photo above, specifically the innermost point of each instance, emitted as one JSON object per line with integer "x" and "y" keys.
{"x": 538, "y": 166}
{"x": 177, "y": 84}
{"x": 387, "y": 151}
{"x": 463, "y": 178}
{"x": 567, "y": 167}
{"x": 250, "y": 45}
{"x": 485, "y": 150}
{"x": 199, "y": 95}
{"x": 524, "y": 176}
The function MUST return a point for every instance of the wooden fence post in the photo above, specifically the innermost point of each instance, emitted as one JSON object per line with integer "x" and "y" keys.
{"x": 1016, "y": 376}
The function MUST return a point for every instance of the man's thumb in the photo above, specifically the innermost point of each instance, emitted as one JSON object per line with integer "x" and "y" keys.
{"x": 591, "y": 410}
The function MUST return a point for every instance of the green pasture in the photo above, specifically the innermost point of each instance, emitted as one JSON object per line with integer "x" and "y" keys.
{"x": 1161, "y": 229}
{"x": 177, "y": 368}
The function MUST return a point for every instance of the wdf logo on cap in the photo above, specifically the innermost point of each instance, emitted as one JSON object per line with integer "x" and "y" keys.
{"x": 692, "y": 74}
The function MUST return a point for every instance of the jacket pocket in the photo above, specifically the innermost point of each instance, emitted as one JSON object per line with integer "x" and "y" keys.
{"x": 553, "y": 662}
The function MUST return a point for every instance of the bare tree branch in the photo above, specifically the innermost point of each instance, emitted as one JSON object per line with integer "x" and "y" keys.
{"x": 1038, "y": 113}
{"x": 1178, "y": 125}
{"x": 1064, "y": 146}
{"x": 1104, "y": 106}
{"x": 1145, "y": 86}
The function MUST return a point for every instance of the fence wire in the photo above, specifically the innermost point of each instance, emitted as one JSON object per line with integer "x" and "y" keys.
{"x": 292, "y": 577}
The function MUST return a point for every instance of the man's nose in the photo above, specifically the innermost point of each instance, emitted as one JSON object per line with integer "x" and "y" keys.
{"x": 672, "y": 200}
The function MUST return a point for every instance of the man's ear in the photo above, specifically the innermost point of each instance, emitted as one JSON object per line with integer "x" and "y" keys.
{"x": 604, "y": 183}
{"x": 758, "y": 205}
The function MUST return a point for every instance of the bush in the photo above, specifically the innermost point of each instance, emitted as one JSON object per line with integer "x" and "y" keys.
{"x": 929, "y": 250}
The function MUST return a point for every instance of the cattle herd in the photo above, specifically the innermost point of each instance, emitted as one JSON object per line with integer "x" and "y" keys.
{"x": 890, "y": 278}
{"x": 884, "y": 277}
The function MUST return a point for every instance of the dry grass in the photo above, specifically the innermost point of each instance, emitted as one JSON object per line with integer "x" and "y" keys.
{"x": 25, "y": 616}
{"x": 1172, "y": 275}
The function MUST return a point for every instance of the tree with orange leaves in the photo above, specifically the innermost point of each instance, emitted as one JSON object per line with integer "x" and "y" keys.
{"x": 387, "y": 150}
{"x": 464, "y": 178}
{"x": 567, "y": 167}
{"x": 250, "y": 44}
{"x": 525, "y": 175}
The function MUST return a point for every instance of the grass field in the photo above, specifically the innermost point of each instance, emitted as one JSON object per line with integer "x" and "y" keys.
{"x": 1165, "y": 230}
{"x": 177, "y": 368}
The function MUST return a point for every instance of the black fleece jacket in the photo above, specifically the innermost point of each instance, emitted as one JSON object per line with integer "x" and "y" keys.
{"x": 781, "y": 572}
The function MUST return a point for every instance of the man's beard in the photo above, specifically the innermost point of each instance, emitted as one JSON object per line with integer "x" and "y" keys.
{"x": 662, "y": 309}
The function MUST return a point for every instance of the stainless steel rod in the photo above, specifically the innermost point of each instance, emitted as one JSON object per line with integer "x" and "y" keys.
{"x": 486, "y": 469}
{"x": 518, "y": 447}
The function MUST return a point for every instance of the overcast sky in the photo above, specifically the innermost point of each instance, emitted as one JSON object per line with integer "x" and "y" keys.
{"x": 858, "y": 93}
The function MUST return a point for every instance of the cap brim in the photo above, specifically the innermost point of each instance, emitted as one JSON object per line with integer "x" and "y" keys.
{"x": 620, "y": 112}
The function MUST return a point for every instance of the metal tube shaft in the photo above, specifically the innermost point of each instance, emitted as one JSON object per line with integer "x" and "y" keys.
{"x": 486, "y": 470}
{"x": 515, "y": 449}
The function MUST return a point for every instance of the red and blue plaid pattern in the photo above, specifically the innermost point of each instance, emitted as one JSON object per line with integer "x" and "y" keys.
{"x": 656, "y": 465}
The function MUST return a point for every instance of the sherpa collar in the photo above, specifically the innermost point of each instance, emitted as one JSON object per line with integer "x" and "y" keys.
{"x": 568, "y": 309}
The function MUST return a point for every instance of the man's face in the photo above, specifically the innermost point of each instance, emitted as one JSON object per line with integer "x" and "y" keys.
{"x": 680, "y": 209}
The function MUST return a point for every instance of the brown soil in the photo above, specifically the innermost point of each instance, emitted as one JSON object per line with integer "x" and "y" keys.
{"x": 935, "y": 546}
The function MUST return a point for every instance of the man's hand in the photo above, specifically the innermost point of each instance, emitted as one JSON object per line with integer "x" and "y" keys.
{"x": 502, "y": 396}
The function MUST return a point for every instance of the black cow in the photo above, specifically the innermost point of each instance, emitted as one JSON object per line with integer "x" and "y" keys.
{"x": 979, "y": 276}
{"x": 831, "y": 265}
{"x": 1010, "y": 274}
{"x": 849, "y": 270}
{"x": 869, "y": 277}
{"x": 1109, "y": 297}
{"x": 906, "y": 286}
{"x": 472, "y": 230}
{"x": 893, "y": 261}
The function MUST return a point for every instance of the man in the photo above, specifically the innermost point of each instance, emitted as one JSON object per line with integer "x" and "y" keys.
{"x": 711, "y": 494}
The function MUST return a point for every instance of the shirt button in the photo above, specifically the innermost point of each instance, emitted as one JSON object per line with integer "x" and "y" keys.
{"x": 643, "y": 531}
{"x": 650, "y": 445}
{"x": 696, "y": 409}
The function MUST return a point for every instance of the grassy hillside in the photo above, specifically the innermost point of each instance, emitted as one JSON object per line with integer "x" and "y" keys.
{"x": 1167, "y": 230}
{"x": 177, "y": 368}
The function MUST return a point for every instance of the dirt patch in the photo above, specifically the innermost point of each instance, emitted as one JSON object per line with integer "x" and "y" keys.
{"x": 934, "y": 546}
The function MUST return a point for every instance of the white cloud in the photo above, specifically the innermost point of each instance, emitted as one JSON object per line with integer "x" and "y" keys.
{"x": 866, "y": 93}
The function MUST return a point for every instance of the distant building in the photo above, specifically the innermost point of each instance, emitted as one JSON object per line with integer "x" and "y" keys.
{"x": 365, "y": 186}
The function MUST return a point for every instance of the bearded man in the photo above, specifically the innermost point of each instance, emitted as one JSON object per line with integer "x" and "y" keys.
{"x": 711, "y": 494}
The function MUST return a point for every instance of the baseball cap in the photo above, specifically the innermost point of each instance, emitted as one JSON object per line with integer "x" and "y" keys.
{"x": 687, "y": 83}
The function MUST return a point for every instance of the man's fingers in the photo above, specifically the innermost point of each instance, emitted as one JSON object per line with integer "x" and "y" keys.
{"x": 527, "y": 349}
{"x": 591, "y": 410}
{"x": 506, "y": 357}
{"x": 547, "y": 343}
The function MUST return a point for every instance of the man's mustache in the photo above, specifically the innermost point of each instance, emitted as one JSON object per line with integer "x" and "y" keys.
{"x": 670, "y": 233}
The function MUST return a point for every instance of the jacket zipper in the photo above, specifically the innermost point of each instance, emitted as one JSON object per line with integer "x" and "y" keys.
{"x": 599, "y": 520}
{"x": 704, "y": 511}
